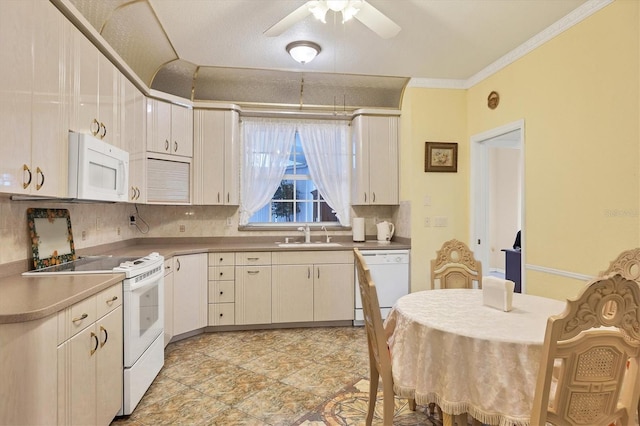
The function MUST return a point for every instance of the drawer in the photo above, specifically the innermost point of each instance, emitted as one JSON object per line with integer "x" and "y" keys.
{"x": 221, "y": 272}
{"x": 253, "y": 258}
{"x": 221, "y": 259}
{"x": 221, "y": 291}
{"x": 76, "y": 318}
{"x": 109, "y": 299}
{"x": 312, "y": 257}
{"x": 222, "y": 314}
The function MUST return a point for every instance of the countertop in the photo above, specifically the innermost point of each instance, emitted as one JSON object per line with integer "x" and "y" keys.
{"x": 28, "y": 298}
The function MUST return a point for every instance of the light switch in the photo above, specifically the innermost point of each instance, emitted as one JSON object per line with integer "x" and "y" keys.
{"x": 427, "y": 200}
{"x": 441, "y": 221}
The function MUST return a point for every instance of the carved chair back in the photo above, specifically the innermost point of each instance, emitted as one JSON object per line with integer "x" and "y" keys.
{"x": 589, "y": 363}
{"x": 455, "y": 267}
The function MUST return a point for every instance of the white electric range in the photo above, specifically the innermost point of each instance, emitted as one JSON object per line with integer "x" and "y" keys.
{"x": 143, "y": 309}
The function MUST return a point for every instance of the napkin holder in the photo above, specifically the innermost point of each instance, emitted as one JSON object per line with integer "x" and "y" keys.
{"x": 497, "y": 293}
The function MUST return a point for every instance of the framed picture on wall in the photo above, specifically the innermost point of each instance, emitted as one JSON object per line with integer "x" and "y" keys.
{"x": 441, "y": 157}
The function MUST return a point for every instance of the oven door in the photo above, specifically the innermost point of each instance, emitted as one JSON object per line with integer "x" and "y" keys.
{"x": 143, "y": 314}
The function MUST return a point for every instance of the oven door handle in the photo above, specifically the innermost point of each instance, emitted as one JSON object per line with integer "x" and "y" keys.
{"x": 148, "y": 281}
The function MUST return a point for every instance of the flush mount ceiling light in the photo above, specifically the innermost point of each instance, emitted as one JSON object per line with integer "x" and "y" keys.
{"x": 303, "y": 51}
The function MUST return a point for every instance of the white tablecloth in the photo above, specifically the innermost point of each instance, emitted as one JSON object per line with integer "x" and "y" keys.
{"x": 450, "y": 349}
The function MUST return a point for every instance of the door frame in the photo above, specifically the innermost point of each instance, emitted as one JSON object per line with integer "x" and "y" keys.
{"x": 480, "y": 191}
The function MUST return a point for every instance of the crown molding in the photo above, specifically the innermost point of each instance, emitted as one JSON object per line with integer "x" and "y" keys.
{"x": 576, "y": 16}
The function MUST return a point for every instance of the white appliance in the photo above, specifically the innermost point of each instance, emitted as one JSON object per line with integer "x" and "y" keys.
{"x": 98, "y": 171}
{"x": 358, "y": 229}
{"x": 385, "y": 231}
{"x": 390, "y": 273}
{"x": 143, "y": 311}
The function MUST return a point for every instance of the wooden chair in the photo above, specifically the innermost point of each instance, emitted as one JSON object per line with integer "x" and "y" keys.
{"x": 595, "y": 368}
{"x": 626, "y": 264}
{"x": 379, "y": 357}
{"x": 455, "y": 267}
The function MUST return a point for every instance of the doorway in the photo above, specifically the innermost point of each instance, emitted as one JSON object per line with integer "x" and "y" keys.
{"x": 497, "y": 195}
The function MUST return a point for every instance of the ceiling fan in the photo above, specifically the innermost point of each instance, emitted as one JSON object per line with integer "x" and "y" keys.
{"x": 359, "y": 9}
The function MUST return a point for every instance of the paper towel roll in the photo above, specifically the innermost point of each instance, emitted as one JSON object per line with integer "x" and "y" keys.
{"x": 358, "y": 229}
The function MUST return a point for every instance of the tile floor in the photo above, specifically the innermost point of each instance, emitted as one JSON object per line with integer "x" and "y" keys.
{"x": 269, "y": 377}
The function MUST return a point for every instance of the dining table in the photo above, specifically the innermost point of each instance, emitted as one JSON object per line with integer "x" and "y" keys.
{"x": 450, "y": 349}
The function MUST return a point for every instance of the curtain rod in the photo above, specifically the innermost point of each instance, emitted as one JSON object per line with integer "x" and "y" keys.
{"x": 344, "y": 116}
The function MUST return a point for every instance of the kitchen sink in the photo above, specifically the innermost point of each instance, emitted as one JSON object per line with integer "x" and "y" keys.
{"x": 301, "y": 245}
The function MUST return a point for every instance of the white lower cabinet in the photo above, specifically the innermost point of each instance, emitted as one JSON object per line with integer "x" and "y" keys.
{"x": 90, "y": 360}
{"x": 221, "y": 289}
{"x": 189, "y": 293}
{"x": 253, "y": 288}
{"x": 312, "y": 286}
{"x": 168, "y": 301}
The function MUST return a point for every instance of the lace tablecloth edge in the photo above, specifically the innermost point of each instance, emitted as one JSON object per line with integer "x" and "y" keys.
{"x": 455, "y": 408}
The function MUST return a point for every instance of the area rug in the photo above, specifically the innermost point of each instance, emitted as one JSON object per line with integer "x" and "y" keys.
{"x": 349, "y": 408}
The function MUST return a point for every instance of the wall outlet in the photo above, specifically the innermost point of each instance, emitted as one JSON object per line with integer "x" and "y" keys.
{"x": 84, "y": 235}
{"x": 118, "y": 230}
{"x": 182, "y": 228}
{"x": 132, "y": 219}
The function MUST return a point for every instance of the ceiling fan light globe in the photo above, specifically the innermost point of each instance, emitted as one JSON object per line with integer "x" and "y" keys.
{"x": 337, "y": 5}
{"x": 348, "y": 13}
{"x": 319, "y": 10}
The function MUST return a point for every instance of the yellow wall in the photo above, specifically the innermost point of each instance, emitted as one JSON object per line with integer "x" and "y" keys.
{"x": 435, "y": 115}
{"x": 579, "y": 96}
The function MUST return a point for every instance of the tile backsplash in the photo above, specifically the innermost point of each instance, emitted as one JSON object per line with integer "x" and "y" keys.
{"x": 95, "y": 224}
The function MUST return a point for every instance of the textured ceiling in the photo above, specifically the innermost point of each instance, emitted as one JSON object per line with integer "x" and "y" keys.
{"x": 215, "y": 50}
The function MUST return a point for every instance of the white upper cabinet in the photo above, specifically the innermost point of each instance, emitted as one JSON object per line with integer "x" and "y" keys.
{"x": 169, "y": 128}
{"x": 133, "y": 119}
{"x": 34, "y": 46}
{"x": 216, "y": 157}
{"x": 95, "y": 92}
{"x": 375, "y": 173}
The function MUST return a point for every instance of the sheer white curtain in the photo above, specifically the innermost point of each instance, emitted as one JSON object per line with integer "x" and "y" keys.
{"x": 326, "y": 148}
{"x": 267, "y": 144}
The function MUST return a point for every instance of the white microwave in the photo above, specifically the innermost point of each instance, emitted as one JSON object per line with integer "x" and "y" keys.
{"x": 98, "y": 171}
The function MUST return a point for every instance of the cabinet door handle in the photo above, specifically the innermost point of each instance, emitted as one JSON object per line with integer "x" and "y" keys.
{"x": 221, "y": 315}
{"x": 228, "y": 197}
{"x": 39, "y": 172}
{"x": 318, "y": 273}
{"x": 374, "y": 197}
{"x": 104, "y": 131}
{"x": 175, "y": 146}
{"x": 80, "y": 318}
{"x": 25, "y": 168}
{"x": 97, "y": 125}
{"x": 95, "y": 348}
{"x": 178, "y": 264}
{"x": 133, "y": 193}
{"x": 365, "y": 197}
{"x": 221, "y": 293}
{"x": 218, "y": 197}
{"x": 308, "y": 272}
{"x": 106, "y": 336}
{"x": 166, "y": 145}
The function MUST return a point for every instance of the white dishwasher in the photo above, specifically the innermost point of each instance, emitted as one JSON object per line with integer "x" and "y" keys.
{"x": 390, "y": 273}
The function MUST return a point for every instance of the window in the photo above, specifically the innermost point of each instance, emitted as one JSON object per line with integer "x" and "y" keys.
{"x": 297, "y": 198}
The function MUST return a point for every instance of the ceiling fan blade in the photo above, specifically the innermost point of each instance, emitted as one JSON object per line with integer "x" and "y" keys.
{"x": 288, "y": 21}
{"x": 377, "y": 21}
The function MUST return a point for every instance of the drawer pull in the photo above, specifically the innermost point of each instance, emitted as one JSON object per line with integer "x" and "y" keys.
{"x": 222, "y": 292}
{"x": 253, "y": 272}
{"x": 221, "y": 273}
{"x": 80, "y": 318}
{"x": 221, "y": 315}
{"x": 113, "y": 299}
{"x": 95, "y": 348}
{"x": 252, "y": 258}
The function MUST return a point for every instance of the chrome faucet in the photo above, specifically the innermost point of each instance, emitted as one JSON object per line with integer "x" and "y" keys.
{"x": 307, "y": 233}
